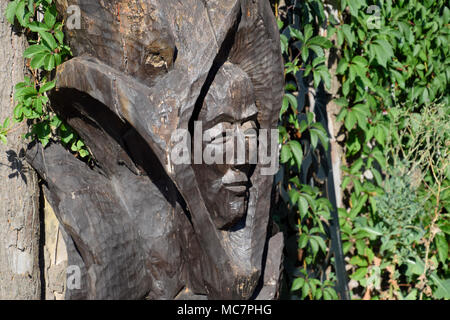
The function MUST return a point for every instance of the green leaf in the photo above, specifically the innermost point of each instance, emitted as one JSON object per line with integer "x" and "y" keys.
{"x": 305, "y": 290}
{"x": 442, "y": 247}
{"x": 342, "y": 66}
{"x": 59, "y": 35}
{"x": 297, "y": 151}
{"x": 342, "y": 102}
{"x": 314, "y": 246}
{"x": 372, "y": 231}
{"x": 443, "y": 287}
{"x": 11, "y": 11}
{"x": 37, "y": 26}
{"x": 18, "y": 113}
{"x": 292, "y": 101}
{"x": 42, "y": 131}
{"x": 358, "y": 261}
{"x": 348, "y": 33}
{"x": 303, "y": 206}
{"x": 20, "y": 13}
{"x": 6, "y": 123}
{"x": 321, "y": 42}
{"x": 55, "y": 122}
{"x": 308, "y": 32}
{"x": 326, "y": 77}
{"x": 383, "y": 51}
{"x": 412, "y": 295}
{"x": 297, "y": 284}
{"x": 321, "y": 243}
{"x": 303, "y": 241}
{"x": 295, "y": 33}
{"x": 350, "y": 120}
{"x": 25, "y": 93}
{"x": 37, "y": 107}
{"x": 38, "y": 61}
{"x": 83, "y": 153}
{"x": 31, "y": 51}
{"x": 80, "y": 144}
{"x": 49, "y": 62}
{"x": 3, "y": 138}
{"x": 354, "y": 6}
{"x": 286, "y": 153}
{"x": 47, "y": 86}
{"x": 360, "y": 61}
{"x": 48, "y": 39}
{"x": 50, "y": 17}
{"x": 359, "y": 274}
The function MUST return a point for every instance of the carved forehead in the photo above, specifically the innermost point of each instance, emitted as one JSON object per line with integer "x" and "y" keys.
{"x": 230, "y": 97}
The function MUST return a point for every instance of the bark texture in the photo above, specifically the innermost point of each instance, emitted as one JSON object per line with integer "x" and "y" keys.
{"x": 19, "y": 192}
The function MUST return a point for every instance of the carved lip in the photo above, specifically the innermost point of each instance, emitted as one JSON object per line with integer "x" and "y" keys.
{"x": 240, "y": 189}
{"x": 235, "y": 181}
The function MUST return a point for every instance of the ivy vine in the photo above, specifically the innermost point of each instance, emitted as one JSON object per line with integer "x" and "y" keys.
{"x": 47, "y": 50}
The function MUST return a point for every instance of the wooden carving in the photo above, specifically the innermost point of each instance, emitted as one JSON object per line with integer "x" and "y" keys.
{"x": 138, "y": 223}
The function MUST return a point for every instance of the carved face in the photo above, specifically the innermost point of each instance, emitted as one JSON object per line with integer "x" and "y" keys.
{"x": 228, "y": 119}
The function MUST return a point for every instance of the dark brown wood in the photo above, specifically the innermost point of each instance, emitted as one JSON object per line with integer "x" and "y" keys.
{"x": 137, "y": 224}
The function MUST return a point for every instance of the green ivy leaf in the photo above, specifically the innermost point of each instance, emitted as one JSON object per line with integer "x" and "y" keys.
{"x": 442, "y": 247}
{"x": 20, "y": 13}
{"x": 297, "y": 284}
{"x": 286, "y": 153}
{"x": 359, "y": 274}
{"x": 321, "y": 42}
{"x": 50, "y": 17}
{"x": 358, "y": 261}
{"x": 11, "y": 11}
{"x": 47, "y": 86}
{"x": 303, "y": 206}
{"x": 350, "y": 120}
{"x": 37, "y": 26}
{"x": 383, "y": 51}
{"x": 48, "y": 40}
{"x": 38, "y": 61}
{"x": 49, "y": 62}
{"x": 348, "y": 33}
{"x": 297, "y": 152}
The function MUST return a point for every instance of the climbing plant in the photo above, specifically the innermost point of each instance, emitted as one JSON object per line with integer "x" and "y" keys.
{"x": 304, "y": 212}
{"x": 47, "y": 50}
{"x": 394, "y": 73}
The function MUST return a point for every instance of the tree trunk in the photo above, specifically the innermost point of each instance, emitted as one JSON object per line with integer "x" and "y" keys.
{"x": 19, "y": 192}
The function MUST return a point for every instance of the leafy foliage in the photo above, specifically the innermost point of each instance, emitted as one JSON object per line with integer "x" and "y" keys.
{"x": 394, "y": 73}
{"x": 306, "y": 211}
{"x": 394, "y": 103}
{"x": 47, "y": 50}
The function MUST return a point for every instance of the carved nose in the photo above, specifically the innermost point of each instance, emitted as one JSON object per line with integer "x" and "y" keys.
{"x": 245, "y": 168}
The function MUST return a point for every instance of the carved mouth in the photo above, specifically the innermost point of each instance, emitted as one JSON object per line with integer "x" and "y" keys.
{"x": 239, "y": 189}
{"x": 235, "y": 181}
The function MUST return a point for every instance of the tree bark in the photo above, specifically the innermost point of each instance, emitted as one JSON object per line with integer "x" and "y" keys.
{"x": 19, "y": 192}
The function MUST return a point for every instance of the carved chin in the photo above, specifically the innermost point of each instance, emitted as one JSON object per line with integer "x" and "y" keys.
{"x": 233, "y": 208}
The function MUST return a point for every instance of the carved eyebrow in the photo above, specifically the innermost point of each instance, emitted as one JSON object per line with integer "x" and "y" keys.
{"x": 249, "y": 113}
